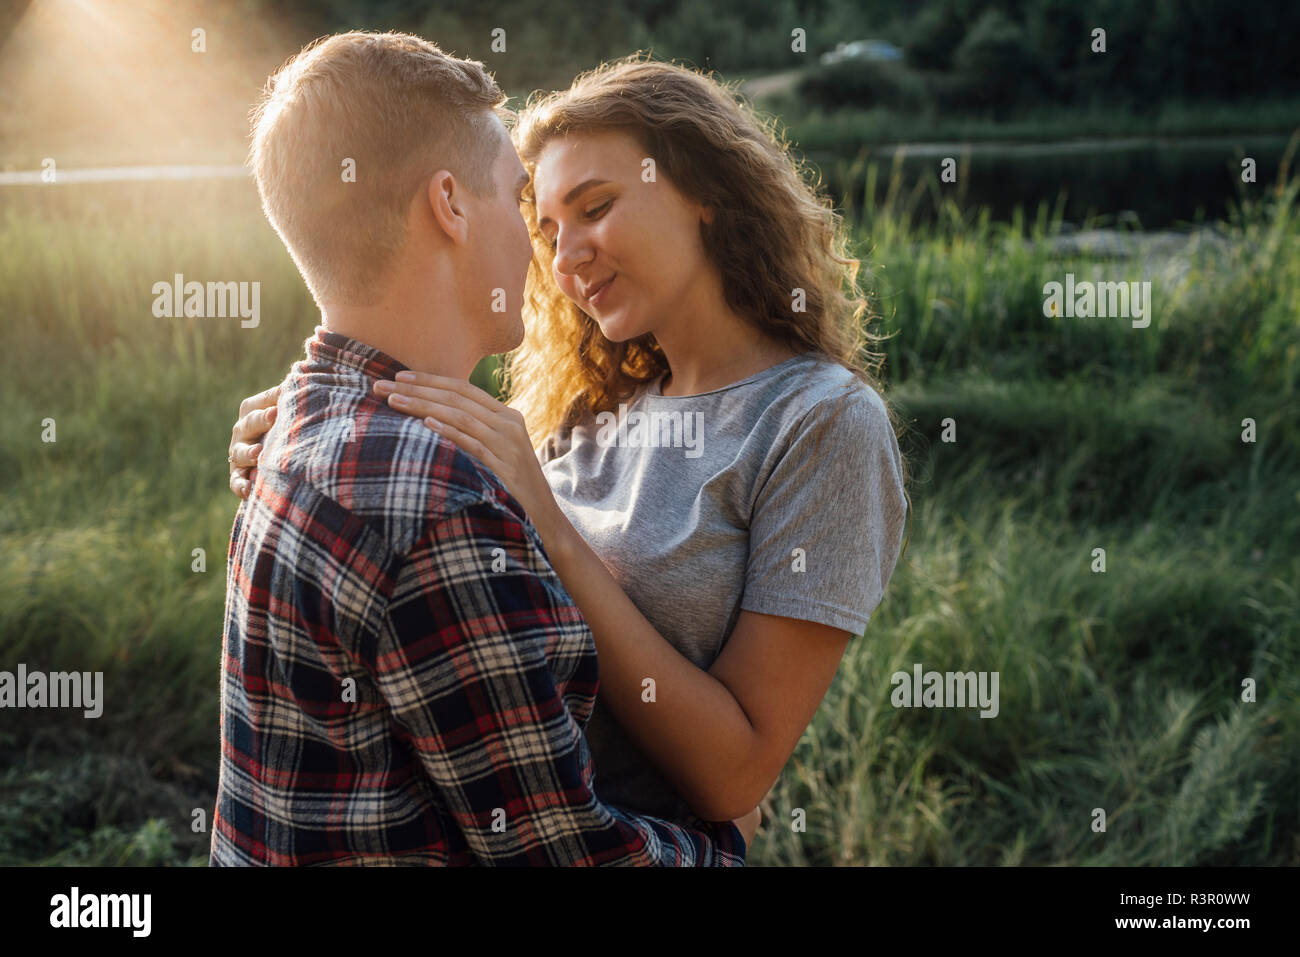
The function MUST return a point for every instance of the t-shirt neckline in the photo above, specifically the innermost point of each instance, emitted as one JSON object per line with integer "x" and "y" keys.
{"x": 654, "y": 389}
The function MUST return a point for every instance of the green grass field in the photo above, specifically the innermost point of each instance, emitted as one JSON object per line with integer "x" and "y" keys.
{"x": 1120, "y": 691}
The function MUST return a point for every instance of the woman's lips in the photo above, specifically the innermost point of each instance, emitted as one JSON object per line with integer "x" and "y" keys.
{"x": 599, "y": 294}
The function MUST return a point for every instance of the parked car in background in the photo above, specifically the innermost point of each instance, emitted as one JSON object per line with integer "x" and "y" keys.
{"x": 877, "y": 50}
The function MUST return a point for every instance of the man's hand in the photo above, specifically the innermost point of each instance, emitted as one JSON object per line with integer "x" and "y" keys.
{"x": 256, "y": 413}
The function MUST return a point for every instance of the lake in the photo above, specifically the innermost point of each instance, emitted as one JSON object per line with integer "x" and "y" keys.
{"x": 1164, "y": 181}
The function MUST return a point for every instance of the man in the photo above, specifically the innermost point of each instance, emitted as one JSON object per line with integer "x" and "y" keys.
{"x": 406, "y": 680}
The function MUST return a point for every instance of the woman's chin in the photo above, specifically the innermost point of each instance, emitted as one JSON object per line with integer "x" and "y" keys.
{"x": 616, "y": 329}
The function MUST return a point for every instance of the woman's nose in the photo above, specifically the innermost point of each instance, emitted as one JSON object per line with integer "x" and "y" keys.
{"x": 570, "y": 253}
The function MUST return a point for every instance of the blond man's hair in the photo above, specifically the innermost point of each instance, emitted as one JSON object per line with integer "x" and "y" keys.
{"x": 399, "y": 109}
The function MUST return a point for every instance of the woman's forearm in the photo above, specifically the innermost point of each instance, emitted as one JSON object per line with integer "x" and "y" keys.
{"x": 686, "y": 721}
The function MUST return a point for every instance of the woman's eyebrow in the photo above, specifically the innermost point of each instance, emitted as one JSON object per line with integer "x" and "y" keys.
{"x": 573, "y": 194}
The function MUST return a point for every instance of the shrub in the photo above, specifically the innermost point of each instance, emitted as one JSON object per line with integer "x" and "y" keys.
{"x": 863, "y": 84}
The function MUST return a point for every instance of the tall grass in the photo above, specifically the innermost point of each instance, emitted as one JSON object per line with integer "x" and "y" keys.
{"x": 1120, "y": 691}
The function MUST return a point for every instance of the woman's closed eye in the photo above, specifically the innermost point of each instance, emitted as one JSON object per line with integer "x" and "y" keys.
{"x": 597, "y": 212}
{"x": 591, "y": 215}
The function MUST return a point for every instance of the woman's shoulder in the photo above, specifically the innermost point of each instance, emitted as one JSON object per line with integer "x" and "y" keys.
{"x": 826, "y": 390}
{"x": 840, "y": 438}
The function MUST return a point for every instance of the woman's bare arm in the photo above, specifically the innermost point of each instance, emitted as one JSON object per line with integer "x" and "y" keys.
{"x": 720, "y": 737}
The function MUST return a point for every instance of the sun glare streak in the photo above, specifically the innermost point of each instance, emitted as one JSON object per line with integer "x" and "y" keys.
{"x": 94, "y": 83}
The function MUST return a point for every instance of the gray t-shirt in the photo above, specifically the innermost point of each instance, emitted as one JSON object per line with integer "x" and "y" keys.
{"x": 781, "y": 494}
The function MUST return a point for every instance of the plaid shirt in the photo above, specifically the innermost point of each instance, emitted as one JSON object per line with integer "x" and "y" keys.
{"x": 406, "y": 680}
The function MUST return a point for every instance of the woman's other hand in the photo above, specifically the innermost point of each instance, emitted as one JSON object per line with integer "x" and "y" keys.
{"x": 749, "y": 826}
{"x": 256, "y": 413}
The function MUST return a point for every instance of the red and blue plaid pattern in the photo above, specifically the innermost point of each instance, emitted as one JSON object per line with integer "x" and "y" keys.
{"x": 406, "y": 680}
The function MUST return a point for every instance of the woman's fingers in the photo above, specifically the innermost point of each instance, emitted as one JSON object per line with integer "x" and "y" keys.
{"x": 253, "y": 426}
{"x": 241, "y": 481}
{"x": 422, "y": 383}
{"x": 469, "y": 422}
{"x": 420, "y": 400}
{"x": 503, "y": 423}
{"x": 260, "y": 401}
{"x": 256, "y": 415}
{"x": 466, "y": 443}
{"x": 243, "y": 455}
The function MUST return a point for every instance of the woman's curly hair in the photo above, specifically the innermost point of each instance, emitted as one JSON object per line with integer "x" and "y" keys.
{"x": 775, "y": 239}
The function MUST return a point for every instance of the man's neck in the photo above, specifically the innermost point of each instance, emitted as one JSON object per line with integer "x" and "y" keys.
{"x": 421, "y": 346}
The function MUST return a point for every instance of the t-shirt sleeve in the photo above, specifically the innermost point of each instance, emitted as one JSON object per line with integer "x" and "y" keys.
{"x": 827, "y": 524}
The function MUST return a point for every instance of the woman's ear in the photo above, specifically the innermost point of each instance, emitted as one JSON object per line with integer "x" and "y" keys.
{"x": 445, "y": 204}
{"x": 706, "y": 214}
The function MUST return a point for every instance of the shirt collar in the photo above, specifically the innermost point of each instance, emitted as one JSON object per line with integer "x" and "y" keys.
{"x": 337, "y": 349}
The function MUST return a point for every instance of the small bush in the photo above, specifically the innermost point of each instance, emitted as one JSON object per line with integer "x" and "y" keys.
{"x": 862, "y": 84}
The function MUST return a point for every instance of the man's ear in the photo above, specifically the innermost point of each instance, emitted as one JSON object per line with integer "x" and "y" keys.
{"x": 445, "y": 202}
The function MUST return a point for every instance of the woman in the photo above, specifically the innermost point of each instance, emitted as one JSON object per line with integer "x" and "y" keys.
{"x": 713, "y": 476}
